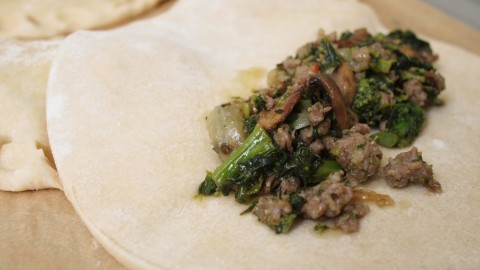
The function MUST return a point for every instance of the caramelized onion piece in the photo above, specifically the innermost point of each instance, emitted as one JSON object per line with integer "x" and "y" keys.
{"x": 365, "y": 195}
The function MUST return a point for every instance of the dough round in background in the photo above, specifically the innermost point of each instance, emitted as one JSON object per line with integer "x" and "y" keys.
{"x": 24, "y": 146}
{"x": 126, "y": 113}
{"x": 33, "y": 19}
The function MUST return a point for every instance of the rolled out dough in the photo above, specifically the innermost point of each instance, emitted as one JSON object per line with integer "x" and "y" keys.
{"x": 32, "y": 19}
{"x": 24, "y": 146}
{"x": 126, "y": 112}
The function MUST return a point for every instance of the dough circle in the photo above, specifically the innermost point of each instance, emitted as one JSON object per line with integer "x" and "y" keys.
{"x": 125, "y": 115}
{"x": 33, "y": 19}
{"x": 26, "y": 162}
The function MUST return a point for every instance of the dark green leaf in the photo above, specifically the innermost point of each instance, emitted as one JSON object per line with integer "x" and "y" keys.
{"x": 296, "y": 201}
{"x": 208, "y": 186}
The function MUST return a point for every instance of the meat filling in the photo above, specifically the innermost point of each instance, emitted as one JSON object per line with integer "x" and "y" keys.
{"x": 409, "y": 167}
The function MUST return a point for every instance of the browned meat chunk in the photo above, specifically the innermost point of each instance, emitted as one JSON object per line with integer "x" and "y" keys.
{"x": 316, "y": 113}
{"x": 326, "y": 199}
{"x": 361, "y": 59}
{"x": 317, "y": 146}
{"x": 270, "y": 210}
{"x": 289, "y": 185}
{"x": 409, "y": 167}
{"x": 357, "y": 154}
{"x": 283, "y": 138}
{"x": 349, "y": 220}
{"x": 336, "y": 196}
{"x": 414, "y": 90}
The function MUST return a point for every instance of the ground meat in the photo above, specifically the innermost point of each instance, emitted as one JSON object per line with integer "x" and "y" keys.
{"x": 358, "y": 155}
{"x": 269, "y": 102}
{"x": 409, "y": 167}
{"x": 336, "y": 196}
{"x": 306, "y": 134}
{"x": 289, "y": 185}
{"x": 316, "y": 113}
{"x": 324, "y": 127}
{"x": 327, "y": 198}
{"x": 363, "y": 129}
{"x": 269, "y": 185}
{"x": 305, "y": 50}
{"x": 386, "y": 99}
{"x": 349, "y": 220}
{"x": 317, "y": 146}
{"x": 345, "y": 79}
{"x": 436, "y": 79}
{"x": 290, "y": 64}
{"x": 361, "y": 59}
{"x": 270, "y": 210}
{"x": 282, "y": 137}
{"x": 314, "y": 207}
{"x": 414, "y": 90}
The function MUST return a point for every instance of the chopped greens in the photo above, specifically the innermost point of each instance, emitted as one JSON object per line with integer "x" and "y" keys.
{"x": 403, "y": 125}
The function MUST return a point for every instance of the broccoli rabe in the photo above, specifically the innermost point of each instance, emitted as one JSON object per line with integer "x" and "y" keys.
{"x": 257, "y": 143}
{"x": 403, "y": 125}
{"x": 371, "y": 100}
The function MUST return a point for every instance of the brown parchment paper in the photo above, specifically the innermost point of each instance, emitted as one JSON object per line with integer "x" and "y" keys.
{"x": 40, "y": 229}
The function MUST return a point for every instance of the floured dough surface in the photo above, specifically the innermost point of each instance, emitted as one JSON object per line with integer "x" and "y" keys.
{"x": 30, "y": 19}
{"x": 128, "y": 108}
{"x": 24, "y": 146}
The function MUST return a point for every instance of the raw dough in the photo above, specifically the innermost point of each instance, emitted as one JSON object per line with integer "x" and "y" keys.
{"x": 24, "y": 146}
{"x": 126, "y": 112}
{"x": 30, "y": 19}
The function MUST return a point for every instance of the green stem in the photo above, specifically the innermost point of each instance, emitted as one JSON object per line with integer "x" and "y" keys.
{"x": 257, "y": 143}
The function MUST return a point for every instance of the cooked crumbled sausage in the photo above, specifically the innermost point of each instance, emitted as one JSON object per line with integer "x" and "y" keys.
{"x": 314, "y": 207}
{"x": 336, "y": 196}
{"x": 363, "y": 129}
{"x": 324, "y": 127}
{"x": 282, "y": 137}
{"x": 327, "y": 198}
{"x": 270, "y": 210}
{"x": 268, "y": 185}
{"x": 361, "y": 59}
{"x": 348, "y": 221}
{"x": 317, "y": 146}
{"x": 316, "y": 113}
{"x": 414, "y": 90}
{"x": 306, "y": 134}
{"x": 357, "y": 155}
{"x": 409, "y": 167}
{"x": 289, "y": 185}
{"x": 269, "y": 102}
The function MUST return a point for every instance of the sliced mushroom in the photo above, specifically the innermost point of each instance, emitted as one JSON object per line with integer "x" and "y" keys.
{"x": 285, "y": 104}
{"x": 345, "y": 80}
{"x": 336, "y": 98}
